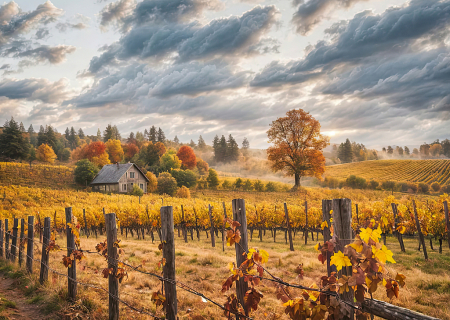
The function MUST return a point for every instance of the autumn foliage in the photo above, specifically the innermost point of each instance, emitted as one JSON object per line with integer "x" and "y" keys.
{"x": 114, "y": 150}
{"x": 297, "y": 145}
{"x": 130, "y": 150}
{"x": 187, "y": 157}
{"x": 45, "y": 153}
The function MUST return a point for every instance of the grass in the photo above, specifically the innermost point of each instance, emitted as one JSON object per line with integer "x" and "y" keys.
{"x": 427, "y": 171}
{"x": 204, "y": 268}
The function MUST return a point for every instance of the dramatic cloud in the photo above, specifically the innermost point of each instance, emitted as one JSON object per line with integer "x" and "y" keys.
{"x": 34, "y": 90}
{"x": 311, "y": 12}
{"x": 221, "y": 37}
{"x": 116, "y": 12}
{"x": 138, "y": 82}
{"x": 365, "y": 36}
{"x": 53, "y": 55}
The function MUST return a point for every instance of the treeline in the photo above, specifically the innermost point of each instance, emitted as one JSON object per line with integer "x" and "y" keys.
{"x": 348, "y": 152}
{"x": 355, "y": 182}
{"x": 435, "y": 149}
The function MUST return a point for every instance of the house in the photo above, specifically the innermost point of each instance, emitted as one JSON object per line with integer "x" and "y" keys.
{"x": 119, "y": 178}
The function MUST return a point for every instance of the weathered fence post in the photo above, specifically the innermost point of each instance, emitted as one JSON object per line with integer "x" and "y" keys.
{"x": 419, "y": 230}
{"x": 14, "y": 240}
{"x": 342, "y": 220}
{"x": 398, "y": 234}
{"x": 167, "y": 230}
{"x": 85, "y": 224}
{"x": 30, "y": 243}
{"x": 43, "y": 277}
{"x": 113, "y": 282}
{"x": 184, "y": 225}
{"x": 6, "y": 239}
{"x": 306, "y": 222}
{"x": 327, "y": 206}
{"x": 288, "y": 225}
{"x": 213, "y": 239}
{"x": 357, "y": 214}
{"x": 1, "y": 239}
{"x": 447, "y": 222}
{"x": 21, "y": 240}
{"x": 72, "y": 271}
{"x": 241, "y": 248}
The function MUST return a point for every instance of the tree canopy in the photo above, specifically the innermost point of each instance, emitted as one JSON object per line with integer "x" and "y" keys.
{"x": 12, "y": 144}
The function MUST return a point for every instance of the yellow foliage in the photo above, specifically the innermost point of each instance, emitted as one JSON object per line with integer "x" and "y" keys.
{"x": 45, "y": 153}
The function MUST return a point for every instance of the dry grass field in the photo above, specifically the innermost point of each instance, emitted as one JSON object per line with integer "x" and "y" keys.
{"x": 205, "y": 268}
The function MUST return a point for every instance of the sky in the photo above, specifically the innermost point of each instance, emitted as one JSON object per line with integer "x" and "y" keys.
{"x": 374, "y": 71}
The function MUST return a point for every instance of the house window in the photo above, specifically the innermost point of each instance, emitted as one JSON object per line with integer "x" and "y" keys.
{"x": 131, "y": 175}
{"x": 126, "y": 174}
{"x": 142, "y": 187}
{"x": 124, "y": 187}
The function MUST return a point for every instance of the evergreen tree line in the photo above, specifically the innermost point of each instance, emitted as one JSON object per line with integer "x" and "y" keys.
{"x": 227, "y": 150}
{"x": 351, "y": 151}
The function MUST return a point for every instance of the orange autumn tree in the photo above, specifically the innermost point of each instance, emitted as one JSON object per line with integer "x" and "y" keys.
{"x": 114, "y": 150}
{"x": 45, "y": 153}
{"x": 96, "y": 153}
{"x": 187, "y": 157}
{"x": 297, "y": 146}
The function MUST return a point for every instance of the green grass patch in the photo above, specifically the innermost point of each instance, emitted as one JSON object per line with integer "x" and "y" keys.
{"x": 35, "y": 299}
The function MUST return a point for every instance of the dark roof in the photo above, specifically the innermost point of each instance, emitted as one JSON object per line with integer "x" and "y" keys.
{"x": 112, "y": 173}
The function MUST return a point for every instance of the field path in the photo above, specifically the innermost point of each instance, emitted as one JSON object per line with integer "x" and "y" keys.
{"x": 23, "y": 310}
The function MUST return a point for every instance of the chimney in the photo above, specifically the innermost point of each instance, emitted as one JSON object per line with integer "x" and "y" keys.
{"x": 117, "y": 165}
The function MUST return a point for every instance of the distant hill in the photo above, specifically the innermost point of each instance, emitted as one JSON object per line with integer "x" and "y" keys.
{"x": 427, "y": 171}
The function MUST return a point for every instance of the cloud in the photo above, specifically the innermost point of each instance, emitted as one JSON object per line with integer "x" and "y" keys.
{"x": 116, "y": 12}
{"x": 53, "y": 55}
{"x": 42, "y": 33}
{"x": 221, "y": 37}
{"x": 137, "y": 82}
{"x": 14, "y": 22}
{"x": 34, "y": 89}
{"x": 311, "y": 12}
{"x": 365, "y": 37}
{"x": 63, "y": 26}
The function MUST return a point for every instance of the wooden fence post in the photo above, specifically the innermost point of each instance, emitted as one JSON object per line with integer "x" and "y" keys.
{"x": 342, "y": 220}
{"x": 213, "y": 239}
{"x": 111, "y": 238}
{"x": 72, "y": 271}
{"x": 327, "y": 206}
{"x": 419, "y": 230}
{"x": 6, "y": 239}
{"x": 85, "y": 224}
{"x": 30, "y": 243}
{"x": 241, "y": 248}
{"x": 43, "y": 277}
{"x": 1, "y": 239}
{"x": 288, "y": 225}
{"x": 167, "y": 234}
{"x": 14, "y": 240}
{"x": 306, "y": 222}
{"x": 447, "y": 222}
{"x": 21, "y": 240}
{"x": 184, "y": 225}
{"x": 357, "y": 214}
{"x": 398, "y": 234}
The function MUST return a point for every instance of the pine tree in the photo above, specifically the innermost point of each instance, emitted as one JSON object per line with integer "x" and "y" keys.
{"x": 201, "y": 143}
{"x": 161, "y": 137}
{"x": 81, "y": 134}
{"x": 139, "y": 136}
{"x": 99, "y": 135}
{"x": 50, "y": 137}
{"x": 176, "y": 140}
{"x": 41, "y": 136}
{"x": 407, "y": 152}
{"x": 245, "y": 144}
{"x": 232, "y": 153}
{"x": 72, "y": 139}
{"x": 152, "y": 134}
{"x": 115, "y": 133}
{"x": 192, "y": 144}
{"x": 67, "y": 134}
{"x": 131, "y": 138}
{"x": 145, "y": 134}
{"x": 108, "y": 133}
{"x": 22, "y": 128}
{"x": 222, "y": 149}
{"x": 32, "y": 135}
{"x": 12, "y": 144}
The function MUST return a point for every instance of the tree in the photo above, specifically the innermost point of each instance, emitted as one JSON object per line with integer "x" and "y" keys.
{"x": 130, "y": 150}
{"x": 166, "y": 184}
{"x": 232, "y": 150}
{"x": 12, "y": 143}
{"x": 139, "y": 137}
{"x": 22, "y": 128}
{"x": 226, "y": 185}
{"x": 248, "y": 186}
{"x": 64, "y": 155}
{"x": 136, "y": 191}
{"x": 131, "y": 138}
{"x": 192, "y": 144}
{"x": 425, "y": 149}
{"x": 212, "y": 179}
{"x": 169, "y": 161}
{"x": 99, "y": 135}
{"x": 161, "y": 136}
{"x": 201, "y": 143}
{"x": 67, "y": 133}
{"x": 72, "y": 138}
{"x": 183, "y": 192}
{"x": 176, "y": 140}
{"x": 32, "y": 135}
{"x": 390, "y": 150}
{"x": 436, "y": 149}
{"x": 345, "y": 152}
{"x": 297, "y": 146}
{"x": 202, "y": 167}
{"x": 81, "y": 134}
{"x": 400, "y": 151}
{"x": 152, "y": 183}
{"x": 114, "y": 150}
{"x": 152, "y": 134}
{"x": 47, "y": 136}
{"x": 245, "y": 144}
{"x": 187, "y": 157}
{"x": 435, "y": 186}
{"x": 184, "y": 178}
{"x": 85, "y": 172}
{"x": 388, "y": 185}
{"x": 237, "y": 184}
{"x": 406, "y": 151}
{"x": 259, "y": 186}
{"x": 271, "y": 187}
{"x": 415, "y": 151}
{"x": 108, "y": 133}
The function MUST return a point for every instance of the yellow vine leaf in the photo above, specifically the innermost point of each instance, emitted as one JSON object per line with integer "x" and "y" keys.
{"x": 340, "y": 260}
{"x": 324, "y": 225}
{"x": 383, "y": 254}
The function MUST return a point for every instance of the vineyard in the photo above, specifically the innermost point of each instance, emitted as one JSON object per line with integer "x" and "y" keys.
{"x": 426, "y": 171}
{"x": 36, "y": 175}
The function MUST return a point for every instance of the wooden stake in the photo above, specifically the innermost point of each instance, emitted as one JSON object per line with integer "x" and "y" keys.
{"x": 72, "y": 271}
{"x": 43, "y": 277}
{"x": 113, "y": 282}
{"x": 6, "y": 239}
{"x": 169, "y": 267}
{"x": 421, "y": 238}
{"x": 327, "y": 206}
{"x": 30, "y": 251}
{"x": 288, "y": 225}
{"x": 398, "y": 234}
{"x": 447, "y": 222}
{"x": 224, "y": 224}
{"x": 21, "y": 245}
{"x": 14, "y": 240}
{"x": 306, "y": 222}
{"x": 213, "y": 239}
{"x": 1, "y": 239}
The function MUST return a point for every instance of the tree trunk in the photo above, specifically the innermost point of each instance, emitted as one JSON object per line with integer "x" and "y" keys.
{"x": 297, "y": 181}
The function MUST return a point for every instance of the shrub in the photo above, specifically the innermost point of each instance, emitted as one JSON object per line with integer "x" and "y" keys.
{"x": 435, "y": 186}
{"x": 226, "y": 185}
{"x": 412, "y": 187}
{"x": 373, "y": 184}
{"x": 185, "y": 178}
{"x": 237, "y": 184}
{"x": 166, "y": 184}
{"x": 152, "y": 184}
{"x": 184, "y": 192}
{"x": 85, "y": 172}
{"x": 202, "y": 167}
{"x": 213, "y": 179}
{"x": 136, "y": 191}
{"x": 446, "y": 188}
{"x": 388, "y": 185}
{"x": 355, "y": 182}
{"x": 271, "y": 187}
{"x": 248, "y": 186}
{"x": 423, "y": 187}
{"x": 259, "y": 186}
